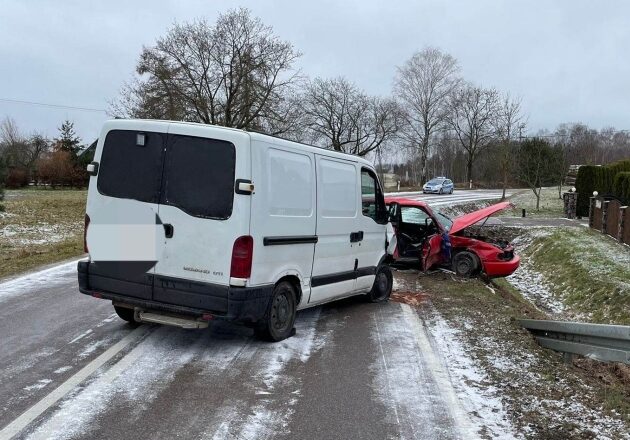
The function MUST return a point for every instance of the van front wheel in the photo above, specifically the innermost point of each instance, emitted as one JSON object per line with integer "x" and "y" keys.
{"x": 279, "y": 319}
{"x": 382, "y": 288}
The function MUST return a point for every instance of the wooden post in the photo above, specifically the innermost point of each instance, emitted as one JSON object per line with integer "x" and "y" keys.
{"x": 591, "y": 212}
{"x": 605, "y": 217}
{"x": 623, "y": 220}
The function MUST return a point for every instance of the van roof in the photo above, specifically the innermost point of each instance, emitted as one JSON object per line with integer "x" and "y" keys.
{"x": 255, "y": 136}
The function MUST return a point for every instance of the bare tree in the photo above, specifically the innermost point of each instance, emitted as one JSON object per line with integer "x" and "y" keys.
{"x": 471, "y": 117}
{"x": 509, "y": 123}
{"x": 536, "y": 162}
{"x": 9, "y": 134}
{"x": 343, "y": 118}
{"x": 235, "y": 73}
{"x": 423, "y": 85}
{"x": 21, "y": 152}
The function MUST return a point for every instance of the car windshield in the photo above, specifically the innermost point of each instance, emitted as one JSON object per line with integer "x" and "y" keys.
{"x": 444, "y": 221}
{"x": 435, "y": 181}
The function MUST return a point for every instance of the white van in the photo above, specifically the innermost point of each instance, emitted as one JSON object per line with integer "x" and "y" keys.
{"x": 189, "y": 222}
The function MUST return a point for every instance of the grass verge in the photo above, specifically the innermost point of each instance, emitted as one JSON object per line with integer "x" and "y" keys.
{"x": 550, "y": 205}
{"x": 588, "y": 271}
{"x": 543, "y": 397}
{"x": 40, "y": 226}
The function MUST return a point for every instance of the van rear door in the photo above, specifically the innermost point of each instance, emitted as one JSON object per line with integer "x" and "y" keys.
{"x": 201, "y": 214}
{"x": 122, "y": 207}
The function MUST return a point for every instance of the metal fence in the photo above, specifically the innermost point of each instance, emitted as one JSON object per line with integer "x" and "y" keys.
{"x": 609, "y": 343}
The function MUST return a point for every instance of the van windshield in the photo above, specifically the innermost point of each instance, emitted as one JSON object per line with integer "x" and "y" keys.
{"x": 192, "y": 173}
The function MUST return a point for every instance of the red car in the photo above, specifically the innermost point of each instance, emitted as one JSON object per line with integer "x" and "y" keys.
{"x": 421, "y": 236}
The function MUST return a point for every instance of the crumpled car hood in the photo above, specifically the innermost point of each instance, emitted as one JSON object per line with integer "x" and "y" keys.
{"x": 470, "y": 219}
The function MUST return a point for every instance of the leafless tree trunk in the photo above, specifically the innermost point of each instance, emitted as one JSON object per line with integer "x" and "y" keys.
{"x": 423, "y": 85}
{"x": 343, "y": 118}
{"x": 473, "y": 111}
{"x": 509, "y": 120}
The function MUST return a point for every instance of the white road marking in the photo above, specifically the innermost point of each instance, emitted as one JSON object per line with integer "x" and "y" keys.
{"x": 16, "y": 426}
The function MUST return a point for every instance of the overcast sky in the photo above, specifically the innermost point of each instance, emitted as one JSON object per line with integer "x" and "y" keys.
{"x": 569, "y": 60}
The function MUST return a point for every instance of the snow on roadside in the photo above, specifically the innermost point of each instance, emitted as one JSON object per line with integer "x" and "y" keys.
{"x": 431, "y": 388}
{"x": 471, "y": 383}
{"x": 42, "y": 278}
{"x": 263, "y": 421}
{"x": 151, "y": 367}
{"x": 531, "y": 283}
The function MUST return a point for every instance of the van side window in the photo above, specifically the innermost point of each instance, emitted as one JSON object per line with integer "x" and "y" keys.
{"x": 290, "y": 184}
{"x": 131, "y": 171}
{"x": 337, "y": 189}
{"x": 199, "y": 176}
{"x": 371, "y": 197}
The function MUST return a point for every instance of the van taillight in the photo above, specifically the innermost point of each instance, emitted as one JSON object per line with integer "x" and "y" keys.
{"x": 242, "y": 253}
{"x": 85, "y": 228}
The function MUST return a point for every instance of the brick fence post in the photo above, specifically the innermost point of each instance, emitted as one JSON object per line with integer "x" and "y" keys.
{"x": 623, "y": 220}
{"x": 591, "y": 211}
{"x": 569, "y": 199}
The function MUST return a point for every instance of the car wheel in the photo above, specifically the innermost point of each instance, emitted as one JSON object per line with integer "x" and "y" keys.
{"x": 382, "y": 287}
{"x": 440, "y": 191}
{"x": 451, "y": 190}
{"x": 126, "y": 314}
{"x": 465, "y": 264}
{"x": 280, "y": 316}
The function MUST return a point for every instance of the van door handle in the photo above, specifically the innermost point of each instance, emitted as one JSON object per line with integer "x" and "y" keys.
{"x": 356, "y": 236}
{"x": 168, "y": 230}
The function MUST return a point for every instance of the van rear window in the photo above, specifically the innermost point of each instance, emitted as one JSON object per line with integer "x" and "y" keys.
{"x": 199, "y": 176}
{"x": 131, "y": 171}
{"x": 195, "y": 174}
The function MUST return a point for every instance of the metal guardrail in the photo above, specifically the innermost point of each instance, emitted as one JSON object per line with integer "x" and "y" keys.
{"x": 608, "y": 343}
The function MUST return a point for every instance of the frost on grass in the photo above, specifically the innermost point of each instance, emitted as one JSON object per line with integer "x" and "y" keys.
{"x": 575, "y": 274}
{"x": 502, "y": 372}
{"x": 16, "y": 235}
{"x": 531, "y": 283}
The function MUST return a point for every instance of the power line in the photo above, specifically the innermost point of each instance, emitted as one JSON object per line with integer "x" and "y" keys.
{"x": 43, "y": 104}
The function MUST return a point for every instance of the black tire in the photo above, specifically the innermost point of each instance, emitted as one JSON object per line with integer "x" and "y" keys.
{"x": 452, "y": 190}
{"x": 279, "y": 319}
{"x": 440, "y": 191}
{"x": 465, "y": 264}
{"x": 382, "y": 288}
{"x": 125, "y": 314}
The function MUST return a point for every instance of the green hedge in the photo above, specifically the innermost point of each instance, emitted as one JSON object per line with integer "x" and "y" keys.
{"x": 601, "y": 179}
{"x": 585, "y": 184}
{"x": 621, "y": 186}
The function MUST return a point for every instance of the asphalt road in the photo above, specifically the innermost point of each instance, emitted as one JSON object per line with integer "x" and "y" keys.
{"x": 71, "y": 369}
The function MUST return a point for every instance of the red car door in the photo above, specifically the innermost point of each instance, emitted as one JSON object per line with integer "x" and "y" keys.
{"x": 432, "y": 251}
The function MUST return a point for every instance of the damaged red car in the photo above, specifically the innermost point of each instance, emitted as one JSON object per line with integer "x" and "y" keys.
{"x": 428, "y": 239}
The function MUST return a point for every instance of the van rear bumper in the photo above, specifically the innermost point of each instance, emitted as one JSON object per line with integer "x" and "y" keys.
{"x": 242, "y": 304}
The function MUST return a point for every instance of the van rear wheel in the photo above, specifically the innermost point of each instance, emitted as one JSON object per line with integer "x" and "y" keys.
{"x": 125, "y": 314}
{"x": 280, "y": 316}
{"x": 382, "y": 288}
